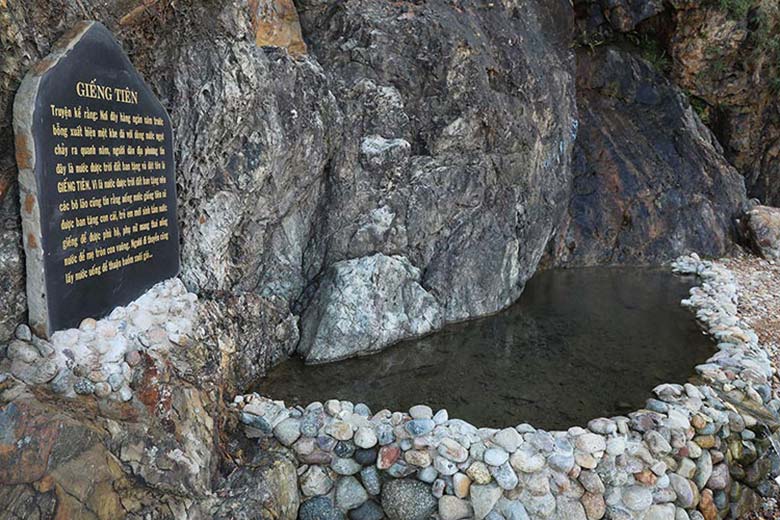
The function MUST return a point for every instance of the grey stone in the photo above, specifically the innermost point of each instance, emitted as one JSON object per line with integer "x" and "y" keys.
{"x": 84, "y": 387}
{"x": 419, "y": 427}
{"x": 319, "y": 508}
{"x": 344, "y": 449}
{"x": 428, "y": 474}
{"x": 384, "y": 434}
{"x": 288, "y": 431}
{"x": 452, "y": 450}
{"x": 453, "y": 508}
{"x": 365, "y": 457}
{"x": 637, "y": 498}
{"x": 421, "y": 411}
{"x": 257, "y": 422}
{"x": 505, "y": 476}
{"x": 365, "y": 437}
{"x": 509, "y": 439}
{"x": 370, "y": 478}
{"x": 407, "y": 500}
{"x": 495, "y": 456}
{"x": 354, "y": 301}
{"x": 590, "y": 443}
{"x": 720, "y": 477}
{"x": 345, "y": 466}
{"x": 362, "y": 410}
{"x": 311, "y": 423}
{"x": 569, "y": 509}
{"x": 102, "y": 389}
{"x": 23, "y": 332}
{"x": 315, "y": 482}
{"x": 369, "y": 510}
{"x": 484, "y": 498}
{"x": 349, "y": 493}
{"x": 512, "y": 509}
{"x": 660, "y": 512}
{"x": 687, "y": 492}
{"x": 530, "y": 461}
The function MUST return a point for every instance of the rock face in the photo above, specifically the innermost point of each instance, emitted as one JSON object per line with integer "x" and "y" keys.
{"x": 12, "y": 285}
{"x": 60, "y": 462}
{"x": 435, "y": 135}
{"x": 650, "y": 182}
{"x": 454, "y": 159}
{"x": 762, "y": 229}
{"x": 725, "y": 55}
{"x": 729, "y": 58}
{"x": 618, "y": 15}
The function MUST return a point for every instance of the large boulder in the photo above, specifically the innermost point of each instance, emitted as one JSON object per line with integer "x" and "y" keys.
{"x": 365, "y": 304}
{"x": 650, "y": 182}
{"x": 762, "y": 229}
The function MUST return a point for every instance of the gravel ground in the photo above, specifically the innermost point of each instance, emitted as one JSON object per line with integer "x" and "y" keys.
{"x": 759, "y": 306}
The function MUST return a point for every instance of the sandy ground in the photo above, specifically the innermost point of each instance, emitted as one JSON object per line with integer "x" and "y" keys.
{"x": 759, "y": 306}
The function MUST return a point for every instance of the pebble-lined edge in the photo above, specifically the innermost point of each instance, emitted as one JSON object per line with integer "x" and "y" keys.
{"x": 696, "y": 451}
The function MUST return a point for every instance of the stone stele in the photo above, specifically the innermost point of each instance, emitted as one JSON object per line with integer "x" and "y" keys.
{"x": 94, "y": 148}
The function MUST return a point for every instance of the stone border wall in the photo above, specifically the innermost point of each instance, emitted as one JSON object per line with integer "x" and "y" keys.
{"x": 695, "y": 451}
{"x": 104, "y": 357}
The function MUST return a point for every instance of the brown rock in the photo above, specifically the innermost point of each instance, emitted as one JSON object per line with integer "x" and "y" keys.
{"x": 707, "y": 506}
{"x": 595, "y": 507}
{"x": 646, "y": 477}
{"x": 26, "y": 444}
{"x": 714, "y": 58}
{"x": 762, "y": 229}
{"x": 388, "y": 455}
{"x": 276, "y": 24}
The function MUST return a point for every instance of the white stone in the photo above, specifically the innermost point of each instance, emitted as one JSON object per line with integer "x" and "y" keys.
{"x": 509, "y": 439}
{"x": 421, "y": 411}
{"x": 365, "y": 437}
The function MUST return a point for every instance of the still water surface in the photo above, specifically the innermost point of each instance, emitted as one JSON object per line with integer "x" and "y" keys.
{"x": 579, "y": 344}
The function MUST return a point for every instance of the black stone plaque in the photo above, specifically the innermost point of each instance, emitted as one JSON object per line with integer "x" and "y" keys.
{"x": 94, "y": 148}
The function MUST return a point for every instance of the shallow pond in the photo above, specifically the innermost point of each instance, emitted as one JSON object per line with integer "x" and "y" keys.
{"x": 579, "y": 344}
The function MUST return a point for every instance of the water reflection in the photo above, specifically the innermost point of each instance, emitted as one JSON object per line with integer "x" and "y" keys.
{"x": 579, "y": 344}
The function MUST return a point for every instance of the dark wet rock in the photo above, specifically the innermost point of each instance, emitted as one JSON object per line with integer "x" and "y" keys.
{"x": 650, "y": 182}
{"x": 370, "y": 510}
{"x": 620, "y": 15}
{"x": 366, "y": 457}
{"x": 408, "y": 500}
